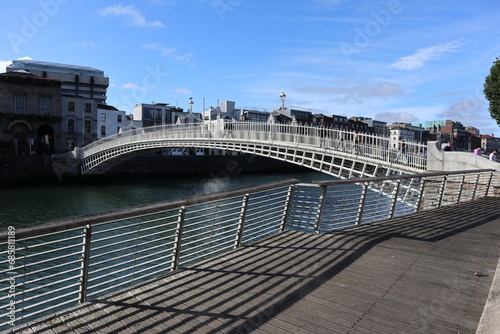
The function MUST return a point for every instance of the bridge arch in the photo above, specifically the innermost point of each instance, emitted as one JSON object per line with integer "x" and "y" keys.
{"x": 339, "y": 153}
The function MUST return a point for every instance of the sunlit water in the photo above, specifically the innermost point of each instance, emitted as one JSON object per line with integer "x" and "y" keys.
{"x": 27, "y": 205}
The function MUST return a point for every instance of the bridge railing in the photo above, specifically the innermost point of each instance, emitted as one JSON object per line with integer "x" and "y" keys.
{"x": 348, "y": 142}
{"x": 47, "y": 267}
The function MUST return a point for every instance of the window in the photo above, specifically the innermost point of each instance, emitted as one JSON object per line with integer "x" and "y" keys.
{"x": 87, "y": 107}
{"x": 20, "y": 104}
{"x": 158, "y": 114}
{"x": 71, "y": 106}
{"x": 103, "y": 130}
{"x": 44, "y": 105}
{"x": 71, "y": 125}
{"x": 119, "y": 120}
{"x": 118, "y": 130}
{"x": 103, "y": 117}
{"x": 88, "y": 127}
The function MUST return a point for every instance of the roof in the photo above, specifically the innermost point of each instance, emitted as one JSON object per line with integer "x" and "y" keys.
{"x": 55, "y": 67}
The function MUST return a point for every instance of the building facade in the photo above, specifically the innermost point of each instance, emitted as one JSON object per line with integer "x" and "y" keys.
{"x": 83, "y": 89}
{"x": 30, "y": 114}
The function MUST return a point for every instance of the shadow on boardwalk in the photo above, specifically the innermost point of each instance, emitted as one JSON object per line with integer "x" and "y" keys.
{"x": 425, "y": 273}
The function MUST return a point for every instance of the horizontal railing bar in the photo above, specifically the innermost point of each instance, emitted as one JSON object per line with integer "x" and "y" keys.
{"x": 47, "y": 243}
{"x": 206, "y": 254}
{"x": 140, "y": 224}
{"x": 97, "y": 256}
{"x": 135, "y": 259}
{"x": 90, "y": 219}
{"x": 48, "y": 293}
{"x": 397, "y": 177}
{"x": 98, "y": 278}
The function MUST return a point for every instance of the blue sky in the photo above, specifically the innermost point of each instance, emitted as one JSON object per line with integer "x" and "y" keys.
{"x": 396, "y": 60}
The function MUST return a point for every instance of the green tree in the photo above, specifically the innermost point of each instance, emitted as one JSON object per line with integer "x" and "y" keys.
{"x": 492, "y": 90}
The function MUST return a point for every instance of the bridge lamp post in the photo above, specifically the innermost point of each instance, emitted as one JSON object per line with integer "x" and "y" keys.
{"x": 282, "y": 97}
{"x": 191, "y": 103}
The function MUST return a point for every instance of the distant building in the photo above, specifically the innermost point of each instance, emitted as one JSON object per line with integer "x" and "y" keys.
{"x": 110, "y": 121}
{"x": 489, "y": 143}
{"x": 374, "y": 126}
{"x": 448, "y": 131}
{"x": 30, "y": 113}
{"x": 151, "y": 114}
{"x": 83, "y": 89}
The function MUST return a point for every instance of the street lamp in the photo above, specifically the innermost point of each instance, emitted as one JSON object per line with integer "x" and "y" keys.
{"x": 191, "y": 103}
{"x": 282, "y": 97}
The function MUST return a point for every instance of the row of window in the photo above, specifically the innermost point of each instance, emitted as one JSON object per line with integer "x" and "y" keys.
{"x": 87, "y": 107}
{"x": 103, "y": 118}
{"x": 87, "y": 127}
{"x": 20, "y": 106}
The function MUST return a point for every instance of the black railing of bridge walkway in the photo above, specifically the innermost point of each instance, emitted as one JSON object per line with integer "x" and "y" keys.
{"x": 47, "y": 267}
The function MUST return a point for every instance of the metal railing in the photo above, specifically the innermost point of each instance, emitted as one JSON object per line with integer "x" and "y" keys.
{"x": 254, "y": 137}
{"x": 47, "y": 267}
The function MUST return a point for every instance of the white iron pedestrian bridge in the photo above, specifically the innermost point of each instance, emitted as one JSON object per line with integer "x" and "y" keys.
{"x": 344, "y": 154}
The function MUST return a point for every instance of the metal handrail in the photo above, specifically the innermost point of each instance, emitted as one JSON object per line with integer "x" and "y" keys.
{"x": 100, "y": 253}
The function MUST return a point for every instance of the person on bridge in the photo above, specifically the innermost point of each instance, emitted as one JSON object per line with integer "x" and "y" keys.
{"x": 493, "y": 155}
{"x": 477, "y": 151}
{"x": 401, "y": 149}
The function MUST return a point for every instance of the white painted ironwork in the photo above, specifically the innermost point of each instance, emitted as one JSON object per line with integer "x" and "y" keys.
{"x": 336, "y": 152}
{"x": 65, "y": 262}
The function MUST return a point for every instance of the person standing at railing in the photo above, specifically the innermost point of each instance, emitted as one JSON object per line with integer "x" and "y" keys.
{"x": 401, "y": 149}
{"x": 493, "y": 155}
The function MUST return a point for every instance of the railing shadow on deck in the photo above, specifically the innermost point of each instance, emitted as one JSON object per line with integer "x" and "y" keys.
{"x": 284, "y": 271}
{"x": 252, "y": 213}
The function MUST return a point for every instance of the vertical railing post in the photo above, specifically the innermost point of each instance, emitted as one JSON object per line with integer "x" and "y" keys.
{"x": 476, "y": 185}
{"x": 317, "y": 223}
{"x": 421, "y": 195}
{"x": 178, "y": 238}
{"x": 241, "y": 221}
{"x": 488, "y": 186}
{"x": 441, "y": 191}
{"x": 394, "y": 199}
{"x": 460, "y": 189}
{"x": 85, "y": 259}
{"x": 286, "y": 209}
{"x": 361, "y": 206}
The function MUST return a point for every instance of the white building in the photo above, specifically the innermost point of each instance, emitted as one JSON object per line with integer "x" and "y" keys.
{"x": 110, "y": 121}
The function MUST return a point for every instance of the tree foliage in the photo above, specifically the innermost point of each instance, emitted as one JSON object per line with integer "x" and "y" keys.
{"x": 492, "y": 90}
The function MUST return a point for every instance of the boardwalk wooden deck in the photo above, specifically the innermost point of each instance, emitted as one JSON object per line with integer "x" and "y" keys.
{"x": 425, "y": 273}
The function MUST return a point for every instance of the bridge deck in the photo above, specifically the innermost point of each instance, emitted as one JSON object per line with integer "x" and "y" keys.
{"x": 414, "y": 274}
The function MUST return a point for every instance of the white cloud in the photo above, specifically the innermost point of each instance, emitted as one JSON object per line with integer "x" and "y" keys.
{"x": 467, "y": 109}
{"x": 5, "y": 63}
{"x": 378, "y": 89}
{"x": 423, "y": 56}
{"x": 131, "y": 14}
{"x": 166, "y": 51}
{"x": 328, "y": 2}
{"x": 133, "y": 86}
{"x": 163, "y": 49}
{"x": 184, "y": 91}
{"x": 87, "y": 44}
{"x": 399, "y": 117}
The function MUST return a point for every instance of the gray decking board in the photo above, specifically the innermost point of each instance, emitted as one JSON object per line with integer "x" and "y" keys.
{"x": 413, "y": 274}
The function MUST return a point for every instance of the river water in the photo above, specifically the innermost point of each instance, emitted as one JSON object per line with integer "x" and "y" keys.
{"x": 33, "y": 204}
